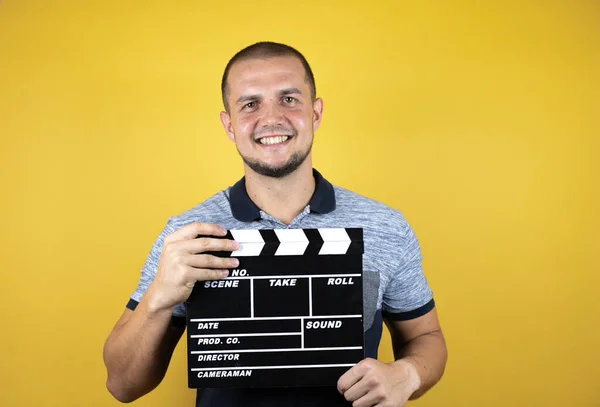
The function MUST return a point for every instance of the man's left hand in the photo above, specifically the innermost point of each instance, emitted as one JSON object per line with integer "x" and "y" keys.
{"x": 373, "y": 383}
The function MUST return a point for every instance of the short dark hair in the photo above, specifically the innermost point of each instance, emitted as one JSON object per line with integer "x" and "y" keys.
{"x": 263, "y": 50}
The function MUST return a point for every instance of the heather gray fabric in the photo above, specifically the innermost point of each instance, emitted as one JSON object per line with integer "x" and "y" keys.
{"x": 391, "y": 247}
{"x": 370, "y": 296}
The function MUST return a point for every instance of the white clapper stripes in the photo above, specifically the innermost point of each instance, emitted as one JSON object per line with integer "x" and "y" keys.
{"x": 297, "y": 242}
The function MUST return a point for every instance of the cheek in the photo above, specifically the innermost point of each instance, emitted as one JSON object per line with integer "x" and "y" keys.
{"x": 301, "y": 121}
{"x": 243, "y": 127}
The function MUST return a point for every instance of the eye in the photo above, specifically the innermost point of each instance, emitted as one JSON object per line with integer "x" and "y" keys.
{"x": 289, "y": 99}
{"x": 250, "y": 105}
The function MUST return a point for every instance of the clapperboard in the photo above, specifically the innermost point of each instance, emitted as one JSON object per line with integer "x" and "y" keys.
{"x": 291, "y": 314}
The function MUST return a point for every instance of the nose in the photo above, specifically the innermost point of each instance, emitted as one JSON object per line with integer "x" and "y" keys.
{"x": 272, "y": 115}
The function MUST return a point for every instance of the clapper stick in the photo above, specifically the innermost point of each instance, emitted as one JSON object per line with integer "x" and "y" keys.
{"x": 291, "y": 313}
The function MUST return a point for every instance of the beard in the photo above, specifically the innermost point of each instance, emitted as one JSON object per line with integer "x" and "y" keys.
{"x": 281, "y": 171}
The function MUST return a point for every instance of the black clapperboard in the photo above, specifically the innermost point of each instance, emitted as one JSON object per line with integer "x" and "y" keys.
{"x": 290, "y": 315}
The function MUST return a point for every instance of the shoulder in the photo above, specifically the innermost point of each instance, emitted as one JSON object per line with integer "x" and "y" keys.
{"x": 386, "y": 232}
{"x": 370, "y": 212}
{"x": 214, "y": 209}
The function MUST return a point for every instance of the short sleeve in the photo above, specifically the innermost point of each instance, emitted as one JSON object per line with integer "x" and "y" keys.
{"x": 149, "y": 271}
{"x": 407, "y": 294}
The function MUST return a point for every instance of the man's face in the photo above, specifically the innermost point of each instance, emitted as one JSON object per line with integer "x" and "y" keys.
{"x": 271, "y": 115}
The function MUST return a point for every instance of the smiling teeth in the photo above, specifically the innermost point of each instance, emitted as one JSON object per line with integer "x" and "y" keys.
{"x": 273, "y": 140}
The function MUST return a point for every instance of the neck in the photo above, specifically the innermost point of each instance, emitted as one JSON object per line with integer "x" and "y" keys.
{"x": 282, "y": 198}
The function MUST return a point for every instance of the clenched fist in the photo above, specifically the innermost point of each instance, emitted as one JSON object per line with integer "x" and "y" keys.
{"x": 373, "y": 383}
{"x": 184, "y": 261}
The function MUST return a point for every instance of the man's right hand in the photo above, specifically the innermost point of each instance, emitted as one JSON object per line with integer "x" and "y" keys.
{"x": 183, "y": 262}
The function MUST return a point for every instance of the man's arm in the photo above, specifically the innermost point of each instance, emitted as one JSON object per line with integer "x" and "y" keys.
{"x": 420, "y": 352}
{"x": 420, "y": 342}
{"x": 138, "y": 351}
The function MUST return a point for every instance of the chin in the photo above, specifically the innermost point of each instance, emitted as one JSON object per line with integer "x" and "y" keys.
{"x": 274, "y": 171}
{"x": 279, "y": 170}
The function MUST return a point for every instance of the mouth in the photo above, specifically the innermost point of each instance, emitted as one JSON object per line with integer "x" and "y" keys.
{"x": 272, "y": 140}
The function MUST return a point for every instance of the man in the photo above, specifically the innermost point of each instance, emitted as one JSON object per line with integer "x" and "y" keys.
{"x": 271, "y": 113}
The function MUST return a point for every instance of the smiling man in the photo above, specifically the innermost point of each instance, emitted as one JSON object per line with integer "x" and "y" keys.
{"x": 271, "y": 114}
{"x": 276, "y": 145}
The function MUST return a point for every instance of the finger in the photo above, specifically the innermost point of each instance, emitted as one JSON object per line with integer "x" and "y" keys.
{"x": 194, "y": 229}
{"x": 356, "y": 391}
{"x": 196, "y": 274}
{"x": 371, "y": 399}
{"x": 204, "y": 244}
{"x": 208, "y": 261}
{"x": 348, "y": 379}
{"x": 367, "y": 392}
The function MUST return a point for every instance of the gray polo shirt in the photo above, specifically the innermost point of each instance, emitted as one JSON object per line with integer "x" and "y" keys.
{"x": 394, "y": 284}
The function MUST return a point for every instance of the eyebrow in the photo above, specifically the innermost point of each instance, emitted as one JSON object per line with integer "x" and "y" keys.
{"x": 290, "y": 91}
{"x": 283, "y": 92}
{"x": 246, "y": 98}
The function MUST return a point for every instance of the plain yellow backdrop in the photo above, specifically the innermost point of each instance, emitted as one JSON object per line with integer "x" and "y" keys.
{"x": 479, "y": 120}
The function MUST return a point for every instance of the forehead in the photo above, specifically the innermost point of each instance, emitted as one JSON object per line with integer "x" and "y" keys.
{"x": 254, "y": 75}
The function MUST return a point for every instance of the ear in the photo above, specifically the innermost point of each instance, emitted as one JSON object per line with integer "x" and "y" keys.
{"x": 317, "y": 113}
{"x": 226, "y": 122}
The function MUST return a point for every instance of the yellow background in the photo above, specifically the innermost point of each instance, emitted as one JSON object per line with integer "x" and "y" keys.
{"x": 480, "y": 121}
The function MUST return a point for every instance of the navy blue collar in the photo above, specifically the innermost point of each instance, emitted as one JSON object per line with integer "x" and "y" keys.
{"x": 244, "y": 210}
